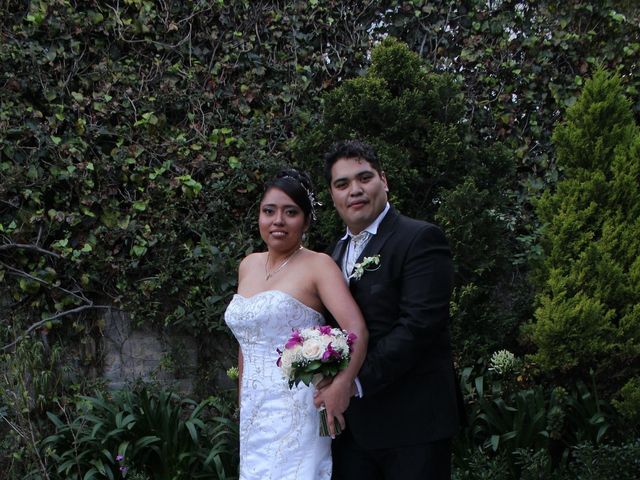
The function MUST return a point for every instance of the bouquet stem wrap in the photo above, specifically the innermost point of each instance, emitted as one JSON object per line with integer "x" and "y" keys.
{"x": 324, "y": 424}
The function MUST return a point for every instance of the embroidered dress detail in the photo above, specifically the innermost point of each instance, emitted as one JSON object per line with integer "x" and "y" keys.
{"x": 278, "y": 427}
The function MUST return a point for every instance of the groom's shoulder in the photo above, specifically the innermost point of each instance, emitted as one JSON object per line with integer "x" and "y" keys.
{"x": 411, "y": 228}
{"x": 415, "y": 224}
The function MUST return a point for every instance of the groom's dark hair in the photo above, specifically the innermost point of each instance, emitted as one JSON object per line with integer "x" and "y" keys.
{"x": 350, "y": 149}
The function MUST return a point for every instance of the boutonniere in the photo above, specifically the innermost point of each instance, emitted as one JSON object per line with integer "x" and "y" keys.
{"x": 366, "y": 265}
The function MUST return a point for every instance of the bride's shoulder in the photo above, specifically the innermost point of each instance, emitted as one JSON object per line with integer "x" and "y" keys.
{"x": 321, "y": 260}
{"x": 251, "y": 260}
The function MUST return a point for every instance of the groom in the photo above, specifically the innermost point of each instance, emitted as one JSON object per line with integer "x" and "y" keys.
{"x": 405, "y": 407}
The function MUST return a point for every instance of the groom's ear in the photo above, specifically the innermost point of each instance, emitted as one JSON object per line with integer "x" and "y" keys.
{"x": 383, "y": 177}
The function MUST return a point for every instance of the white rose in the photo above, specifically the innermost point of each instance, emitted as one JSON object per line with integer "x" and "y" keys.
{"x": 313, "y": 350}
{"x": 340, "y": 344}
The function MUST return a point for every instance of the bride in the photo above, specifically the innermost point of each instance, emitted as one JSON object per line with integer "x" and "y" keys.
{"x": 287, "y": 287}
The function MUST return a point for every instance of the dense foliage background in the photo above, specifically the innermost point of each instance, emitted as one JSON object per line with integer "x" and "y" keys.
{"x": 134, "y": 140}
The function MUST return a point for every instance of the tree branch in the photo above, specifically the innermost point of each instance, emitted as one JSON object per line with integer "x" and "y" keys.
{"x": 25, "y": 246}
{"x": 49, "y": 319}
{"x": 20, "y": 273}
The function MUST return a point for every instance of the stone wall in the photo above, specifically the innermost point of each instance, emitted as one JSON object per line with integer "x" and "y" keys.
{"x": 132, "y": 354}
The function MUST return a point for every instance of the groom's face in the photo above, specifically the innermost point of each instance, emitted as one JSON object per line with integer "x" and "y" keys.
{"x": 358, "y": 191}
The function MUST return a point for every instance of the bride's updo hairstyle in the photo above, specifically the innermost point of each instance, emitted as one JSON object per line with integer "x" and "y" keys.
{"x": 298, "y": 186}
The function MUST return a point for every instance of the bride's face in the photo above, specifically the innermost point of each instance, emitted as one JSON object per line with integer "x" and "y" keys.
{"x": 281, "y": 221}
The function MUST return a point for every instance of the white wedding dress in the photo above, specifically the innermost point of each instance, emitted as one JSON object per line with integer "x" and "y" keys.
{"x": 279, "y": 426}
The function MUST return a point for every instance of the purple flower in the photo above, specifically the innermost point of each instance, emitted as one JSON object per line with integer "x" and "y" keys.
{"x": 325, "y": 329}
{"x": 330, "y": 353}
{"x": 351, "y": 338}
{"x": 124, "y": 470}
{"x": 119, "y": 458}
{"x": 296, "y": 339}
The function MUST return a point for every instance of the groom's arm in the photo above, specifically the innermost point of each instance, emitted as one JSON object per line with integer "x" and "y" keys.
{"x": 423, "y": 313}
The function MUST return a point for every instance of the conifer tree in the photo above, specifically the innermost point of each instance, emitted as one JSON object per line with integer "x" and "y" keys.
{"x": 588, "y": 305}
{"x": 441, "y": 170}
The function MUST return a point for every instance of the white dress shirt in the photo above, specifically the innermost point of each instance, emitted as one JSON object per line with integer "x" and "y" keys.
{"x": 358, "y": 242}
{"x": 352, "y": 254}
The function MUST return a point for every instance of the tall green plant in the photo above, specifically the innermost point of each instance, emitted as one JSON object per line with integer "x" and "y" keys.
{"x": 527, "y": 428}
{"x": 588, "y": 313}
{"x": 438, "y": 169}
{"x": 157, "y": 433}
{"x": 527, "y": 60}
{"x": 30, "y": 383}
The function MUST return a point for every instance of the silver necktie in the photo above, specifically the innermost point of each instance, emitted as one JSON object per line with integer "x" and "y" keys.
{"x": 356, "y": 245}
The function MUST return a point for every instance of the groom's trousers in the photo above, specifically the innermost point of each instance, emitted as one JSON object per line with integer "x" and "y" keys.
{"x": 429, "y": 461}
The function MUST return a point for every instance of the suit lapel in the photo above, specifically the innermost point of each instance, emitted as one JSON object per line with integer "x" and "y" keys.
{"x": 338, "y": 251}
{"x": 385, "y": 231}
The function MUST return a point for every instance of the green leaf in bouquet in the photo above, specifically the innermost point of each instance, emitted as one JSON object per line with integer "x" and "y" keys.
{"x": 312, "y": 367}
{"x": 332, "y": 370}
{"x": 305, "y": 378}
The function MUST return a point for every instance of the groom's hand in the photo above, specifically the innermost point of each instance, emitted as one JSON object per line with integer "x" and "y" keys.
{"x": 321, "y": 387}
{"x": 335, "y": 397}
{"x": 322, "y": 384}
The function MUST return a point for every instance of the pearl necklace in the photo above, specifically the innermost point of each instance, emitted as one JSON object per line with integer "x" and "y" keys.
{"x": 268, "y": 274}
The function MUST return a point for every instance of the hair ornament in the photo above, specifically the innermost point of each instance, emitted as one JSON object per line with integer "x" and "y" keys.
{"x": 310, "y": 195}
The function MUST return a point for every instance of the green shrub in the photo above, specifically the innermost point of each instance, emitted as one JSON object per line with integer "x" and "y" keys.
{"x": 589, "y": 274}
{"x": 478, "y": 465}
{"x": 439, "y": 169}
{"x": 510, "y": 416}
{"x": 30, "y": 384}
{"x": 586, "y": 462}
{"x": 628, "y": 403}
{"x": 157, "y": 434}
{"x": 590, "y": 462}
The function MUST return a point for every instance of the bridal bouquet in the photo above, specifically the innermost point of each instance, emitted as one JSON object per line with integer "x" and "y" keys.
{"x": 314, "y": 353}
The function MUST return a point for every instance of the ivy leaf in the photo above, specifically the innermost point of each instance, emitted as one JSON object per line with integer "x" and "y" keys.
{"x": 140, "y": 205}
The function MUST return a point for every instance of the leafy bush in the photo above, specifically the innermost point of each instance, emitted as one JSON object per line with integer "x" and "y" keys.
{"x": 153, "y": 433}
{"x": 586, "y": 462}
{"x": 628, "y": 403}
{"x": 525, "y": 428}
{"x": 30, "y": 383}
{"x": 590, "y": 462}
{"x": 477, "y": 465}
{"x": 588, "y": 299}
{"x": 133, "y": 137}
{"x": 414, "y": 117}
{"x": 527, "y": 61}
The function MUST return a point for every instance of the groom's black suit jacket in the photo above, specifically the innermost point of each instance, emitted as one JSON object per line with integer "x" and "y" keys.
{"x": 410, "y": 392}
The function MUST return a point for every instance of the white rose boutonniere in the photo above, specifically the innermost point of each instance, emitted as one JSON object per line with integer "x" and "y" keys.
{"x": 366, "y": 265}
